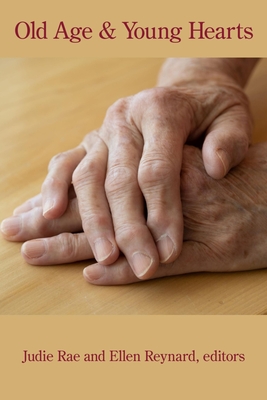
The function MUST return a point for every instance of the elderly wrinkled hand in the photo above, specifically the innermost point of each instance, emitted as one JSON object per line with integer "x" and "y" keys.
{"x": 127, "y": 173}
{"x": 224, "y": 225}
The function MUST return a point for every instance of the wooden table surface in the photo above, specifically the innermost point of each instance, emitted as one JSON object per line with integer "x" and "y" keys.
{"x": 47, "y": 106}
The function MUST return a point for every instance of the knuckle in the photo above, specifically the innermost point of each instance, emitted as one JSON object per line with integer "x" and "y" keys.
{"x": 53, "y": 182}
{"x": 162, "y": 99}
{"x": 158, "y": 217}
{"x": 150, "y": 96}
{"x": 120, "y": 178}
{"x": 154, "y": 172}
{"x": 164, "y": 106}
{"x": 119, "y": 122}
{"x": 67, "y": 245}
{"x": 88, "y": 136}
{"x": 118, "y": 108}
{"x": 151, "y": 104}
{"x": 87, "y": 171}
{"x": 58, "y": 159}
{"x": 38, "y": 223}
{"x": 126, "y": 233}
{"x": 95, "y": 219}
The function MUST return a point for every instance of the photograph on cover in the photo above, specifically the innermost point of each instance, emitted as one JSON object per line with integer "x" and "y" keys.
{"x": 154, "y": 200}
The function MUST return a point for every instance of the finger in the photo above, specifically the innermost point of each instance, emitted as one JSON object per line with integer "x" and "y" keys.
{"x": 56, "y": 185}
{"x": 28, "y": 205}
{"x": 227, "y": 141}
{"x": 159, "y": 174}
{"x": 36, "y": 201}
{"x": 125, "y": 198}
{"x": 32, "y": 224}
{"x": 61, "y": 249}
{"x": 89, "y": 180}
{"x": 195, "y": 257}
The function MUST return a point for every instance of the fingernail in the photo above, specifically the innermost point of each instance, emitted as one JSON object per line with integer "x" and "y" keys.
{"x": 224, "y": 160}
{"x": 48, "y": 205}
{"x": 33, "y": 249}
{"x": 93, "y": 272}
{"x": 11, "y": 226}
{"x": 165, "y": 248}
{"x": 141, "y": 263}
{"x": 103, "y": 249}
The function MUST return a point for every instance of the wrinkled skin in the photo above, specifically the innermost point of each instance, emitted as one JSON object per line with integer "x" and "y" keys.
{"x": 225, "y": 225}
{"x": 136, "y": 156}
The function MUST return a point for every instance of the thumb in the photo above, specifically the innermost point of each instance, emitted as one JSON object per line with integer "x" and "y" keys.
{"x": 227, "y": 141}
